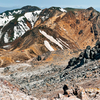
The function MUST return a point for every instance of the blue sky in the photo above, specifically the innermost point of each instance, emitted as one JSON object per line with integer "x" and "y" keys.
{"x": 49, "y": 3}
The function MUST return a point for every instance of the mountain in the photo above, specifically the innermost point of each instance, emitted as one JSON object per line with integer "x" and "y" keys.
{"x": 67, "y": 28}
{"x": 35, "y": 31}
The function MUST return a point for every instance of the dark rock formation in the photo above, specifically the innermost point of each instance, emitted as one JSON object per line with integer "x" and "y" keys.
{"x": 65, "y": 87}
{"x": 39, "y": 58}
{"x": 88, "y": 55}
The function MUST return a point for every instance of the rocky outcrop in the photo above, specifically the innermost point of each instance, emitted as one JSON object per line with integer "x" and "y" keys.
{"x": 89, "y": 54}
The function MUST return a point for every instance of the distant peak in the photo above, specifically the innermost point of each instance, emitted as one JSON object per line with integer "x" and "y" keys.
{"x": 31, "y": 7}
{"x": 90, "y": 8}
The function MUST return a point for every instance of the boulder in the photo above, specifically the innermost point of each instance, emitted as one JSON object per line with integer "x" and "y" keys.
{"x": 6, "y": 69}
{"x": 81, "y": 56}
{"x": 95, "y": 50}
{"x": 98, "y": 43}
{"x": 39, "y": 58}
{"x": 73, "y": 61}
{"x": 65, "y": 88}
{"x": 92, "y": 54}
{"x": 87, "y": 52}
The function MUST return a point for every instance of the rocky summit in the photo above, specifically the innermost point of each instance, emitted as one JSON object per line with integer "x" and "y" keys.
{"x": 50, "y": 54}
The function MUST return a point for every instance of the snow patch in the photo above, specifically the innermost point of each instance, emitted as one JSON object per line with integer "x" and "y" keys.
{"x": 63, "y": 43}
{"x": 61, "y": 28}
{"x": 0, "y": 34}
{"x": 17, "y": 32}
{"x": 45, "y": 17}
{"x": 65, "y": 30}
{"x": 5, "y": 20}
{"x": 20, "y": 18}
{"x": 63, "y": 10}
{"x": 21, "y": 28}
{"x": 17, "y": 12}
{"x": 48, "y": 46}
{"x": 37, "y": 12}
{"x": 6, "y": 46}
{"x": 10, "y": 14}
{"x": 6, "y": 38}
{"x": 24, "y": 26}
{"x": 30, "y": 17}
{"x": 17, "y": 61}
{"x": 51, "y": 39}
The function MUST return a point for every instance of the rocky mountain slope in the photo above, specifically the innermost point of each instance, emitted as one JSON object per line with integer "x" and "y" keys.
{"x": 31, "y": 31}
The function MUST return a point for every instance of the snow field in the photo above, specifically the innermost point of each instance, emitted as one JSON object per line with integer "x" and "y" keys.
{"x": 48, "y": 46}
{"x": 51, "y": 38}
{"x": 22, "y": 27}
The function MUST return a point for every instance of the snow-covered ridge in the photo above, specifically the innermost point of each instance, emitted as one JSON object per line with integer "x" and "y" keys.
{"x": 17, "y": 12}
{"x": 51, "y": 38}
{"x": 5, "y": 19}
{"x": 63, "y": 10}
{"x": 22, "y": 26}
